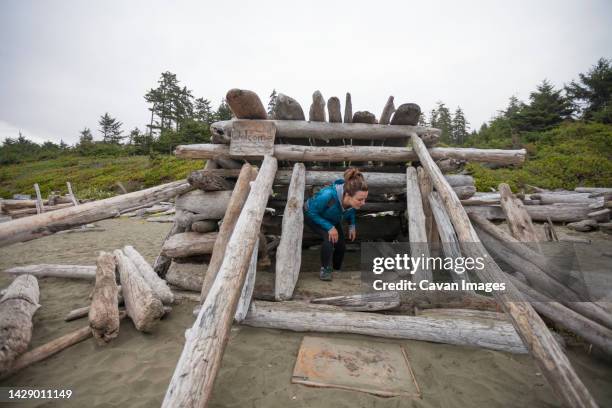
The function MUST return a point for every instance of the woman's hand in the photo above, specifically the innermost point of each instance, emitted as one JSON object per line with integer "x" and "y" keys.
{"x": 352, "y": 234}
{"x": 333, "y": 235}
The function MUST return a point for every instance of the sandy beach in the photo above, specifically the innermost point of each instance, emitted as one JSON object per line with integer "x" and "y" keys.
{"x": 134, "y": 370}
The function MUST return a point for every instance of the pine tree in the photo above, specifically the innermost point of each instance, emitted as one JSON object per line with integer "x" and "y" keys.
{"x": 441, "y": 119}
{"x": 592, "y": 94}
{"x": 223, "y": 111}
{"x": 203, "y": 111}
{"x": 171, "y": 103}
{"x": 547, "y": 108}
{"x": 272, "y": 103}
{"x": 460, "y": 127}
{"x": 423, "y": 119}
{"x": 85, "y": 136}
{"x": 110, "y": 129}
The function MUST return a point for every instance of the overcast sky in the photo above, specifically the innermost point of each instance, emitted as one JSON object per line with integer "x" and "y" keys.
{"x": 64, "y": 63}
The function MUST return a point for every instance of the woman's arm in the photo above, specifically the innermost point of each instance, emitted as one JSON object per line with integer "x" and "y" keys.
{"x": 316, "y": 205}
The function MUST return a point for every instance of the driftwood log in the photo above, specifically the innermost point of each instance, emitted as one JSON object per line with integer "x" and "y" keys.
{"x": 426, "y": 188}
{"x": 104, "y": 309}
{"x": 25, "y": 229}
{"x": 295, "y": 316}
{"x": 517, "y": 216}
{"x": 234, "y": 209}
{"x": 363, "y": 302}
{"x": 189, "y": 244}
{"x": 246, "y": 296}
{"x": 192, "y": 382}
{"x": 141, "y": 304}
{"x": 417, "y": 231}
{"x": 348, "y": 109}
{"x": 212, "y": 204}
{"x": 245, "y": 104}
{"x": 17, "y": 306}
{"x": 549, "y": 356}
{"x": 86, "y": 272}
{"x": 333, "y": 109}
{"x": 157, "y": 284}
{"x": 556, "y": 212}
{"x": 385, "y": 116}
{"x": 187, "y": 275}
{"x": 182, "y": 222}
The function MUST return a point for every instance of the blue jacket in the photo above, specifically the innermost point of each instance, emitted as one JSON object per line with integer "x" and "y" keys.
{"x": 325, "y": 208}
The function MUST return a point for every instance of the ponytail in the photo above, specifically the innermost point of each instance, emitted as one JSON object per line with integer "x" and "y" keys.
{"x": 354, "y": 181}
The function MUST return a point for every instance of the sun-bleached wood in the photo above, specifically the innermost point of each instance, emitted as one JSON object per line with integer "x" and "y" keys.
{"x": 104, "y": 309}
{"x": 87, "y": 272}
{"x": 426, "y": 188}
{"x": 157, "y": 284}
{"x": 17, "y": 307}
{"x": 189, "y": 243}
{"x": 41, "y": 225}
{"x": 192, "y": 382}
{"x": 385, "y": 116}
{"x": 556, "y": 212}
{"x": 141, "y": 304}
{"x": 234, "y": 208}
{"x": 362, "y": 302}
{"x": 212, "y": 204}
{"x": 187, "y": 275}
{"x": 416, "y": 224}
{"x": 288, "y": 253}
{"x": 517, "y": 216}
{"x": 246, "y": 296}
{"x": 549, "y": 356}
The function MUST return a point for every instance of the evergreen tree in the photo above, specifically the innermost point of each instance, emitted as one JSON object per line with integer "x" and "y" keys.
{"x": 171, "y": 103}
{"x": 460, "y": 127}
{"x": 272, "y": 102}
{"x": 547, "y": 108}
{"x": 423, "y": 119}
{"x": 85, "y": 136}
{"x": 592, "y": 94}
{"x": 203, "y": 111}
{"x": 110, "y": 129}
{"x": 441, "y": 119}
{"x": 223, "y": 111}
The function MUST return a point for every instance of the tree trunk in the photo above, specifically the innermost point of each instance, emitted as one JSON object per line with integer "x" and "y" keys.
{"x": 189, "y": 244}
{"x": 192, "y": 382}
{"x": 104, "y": 309}
{"x": 426, "y": 188}
{"x": 234, "y": 208}
{"x": 295, "y": 316}
{"x": 212, "y": 204}
{"x": 549, "y": 356}
{"x": 182, "y": 222}
{"x": 17, "y": 306}
{"x": 556, "y": 212}
{"x": 289, "y": 252}
{"x": 363, "y": 302}
{"x": 416, "y": 224}
{"x": 141, "y": 305}
{"x": 157, "y": 284}
{"x": 186, "y": 275}
{"x": 348, "y": 109}
{"x": 518, "y": 218}
{"x": 246, "y": 296}
{"x": 578, "y": 198}
{"x": 55, "y": 271}
{"x": 41, "y": 225}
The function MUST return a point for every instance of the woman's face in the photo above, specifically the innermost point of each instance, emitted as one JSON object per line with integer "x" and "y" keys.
{"x": 358, "y": 200}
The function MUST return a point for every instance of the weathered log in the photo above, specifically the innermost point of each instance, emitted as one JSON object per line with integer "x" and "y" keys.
{"x": 556, "y": 212}
{"x": 104, "y": 309}
{"x": 141, "y": 304}
{"x": 287, "y": 108}
{"x": 569, "y": 198}
{"x": 601, "y": 215}
{"x": 204, "y": 226}
{"x": 55, "y": 271}
{"x": 48, "y": 349}
{"x": 364, "y": 117}
{"x": 80, "y": 312}
{"x": 157, "y": 284}
{"x": 210, "y": 203}
{"x": 517, "y": 217}
{"x": 406, "y": 114}
{"x": 333, "y": 109}
{"x": 416, "y": 224}
{"x": 317, "y": 108}
{"x": 348, "y": 109}
{"x": 593, "y": 190}
{"x": 482, "y": 199}
{"x": 385, "y": 116}
{"x": 295, "y": 316}
{"x": 182, "y": 222}
{"x": 17, "y": 306}
{"x": 542, "y": 346}
{"x": 245, "y": 104}
{"x": 450, "y": 245}
{"x": 208, "y": 181}
{"x": 193, "y": 379}
{"x": 464, "y": 192}
{"x": 37, "y": 226}
{"x": 246, "y": 296}
{"x": 463, "y": 313}
{"x": 288, "y": 253}
{"x": 73, "y": 198}
{"x": 357, "y": 153}
{"x": 11, "y": 205}
{"x": 186, "y": 275}
{"x": 589, "y": 330}
{"x": 40, "y": 208}
{"x": 29, "y": 211}
{"x": 583, "y": 226}
{"x": 333, "y": 131}
{"x": 234, "y": 208}
{"x": 363, "y": 302}
{"x": 449, "y": 165}
{"x": 426, "y": 188}
{"x": 189, "y": 243}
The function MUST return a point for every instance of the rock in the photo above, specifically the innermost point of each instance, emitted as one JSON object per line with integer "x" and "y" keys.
{"x": 348, "y": 109}
{"x": 583, "y": 226}
{"x": 317, "y": 109}
{"x": 245, "y": 104}
{"x": 407, "y": 114}
{"x": 385, "y": 116}
{"x": 364, "y": 117}
{"x": 287, "y": 108}
{"x": 333, "y": 108}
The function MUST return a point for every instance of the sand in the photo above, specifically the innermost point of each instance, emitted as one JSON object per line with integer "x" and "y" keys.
{"x": 134, "y": 370}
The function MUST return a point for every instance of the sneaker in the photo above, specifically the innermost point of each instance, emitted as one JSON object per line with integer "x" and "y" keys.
{"x": 326, "y": 273}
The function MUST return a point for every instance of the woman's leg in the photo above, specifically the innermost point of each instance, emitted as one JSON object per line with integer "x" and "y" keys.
{"x": 327, "y": 248}
{"x": 339, "y": 248}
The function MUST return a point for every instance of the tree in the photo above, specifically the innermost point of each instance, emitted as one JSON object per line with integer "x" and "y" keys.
{"x": 423, "y": 119}
{"x": 547, "y": 108}
{"x": 460, "y": 127}
{"x": 85, "y": 137}
{"x": 171, "y": 104}
{"x": 592, "y": 94}
{"x": 223, "y": 111}
{"x": 203, "y": 111}
{"x": 272, "y": 102}
{"x": 110, "y": 129}
{"x": 441, "y": 119}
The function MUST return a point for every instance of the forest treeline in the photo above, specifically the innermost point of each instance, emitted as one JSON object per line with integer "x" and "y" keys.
{"x": 567, "y": 131}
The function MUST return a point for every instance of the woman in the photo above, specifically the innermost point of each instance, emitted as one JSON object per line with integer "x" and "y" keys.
{"x": 324, "y": 213}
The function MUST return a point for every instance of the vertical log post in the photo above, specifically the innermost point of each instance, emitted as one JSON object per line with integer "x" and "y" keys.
{"x": 517, "y": 217}
{"x": 416, "y": 223}
{"x": 288, "y": 253}
{"x": 71, "y": 194}
{"x": 39, "y": 204}
{"x": 192, "y": 382}
{"x": 549, "y": 356}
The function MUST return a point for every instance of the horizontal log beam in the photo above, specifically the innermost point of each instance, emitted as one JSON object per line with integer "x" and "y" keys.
{"x": 556, "y": 212}
{"x": 358, "y": 153}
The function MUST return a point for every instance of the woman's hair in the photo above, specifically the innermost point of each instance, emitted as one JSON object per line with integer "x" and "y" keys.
{"x": 354, "y": 181}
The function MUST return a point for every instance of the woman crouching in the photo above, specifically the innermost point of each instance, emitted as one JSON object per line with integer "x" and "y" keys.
{"x": 324, "y": 213}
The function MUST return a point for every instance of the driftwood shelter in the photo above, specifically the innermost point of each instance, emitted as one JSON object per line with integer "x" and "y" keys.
{"x": 258, "y": 173}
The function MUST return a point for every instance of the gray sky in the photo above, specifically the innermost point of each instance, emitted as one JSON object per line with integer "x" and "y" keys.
{"x": 64, "y": 63}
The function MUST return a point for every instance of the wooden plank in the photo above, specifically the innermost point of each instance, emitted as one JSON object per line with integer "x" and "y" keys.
{"x": 288, "y": 253}
{"x": 549, "y": 356}
{"x": 252, "y": 138}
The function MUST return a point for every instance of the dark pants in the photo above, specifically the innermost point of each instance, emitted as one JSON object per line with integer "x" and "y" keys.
{"x": 329, "y": 251}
